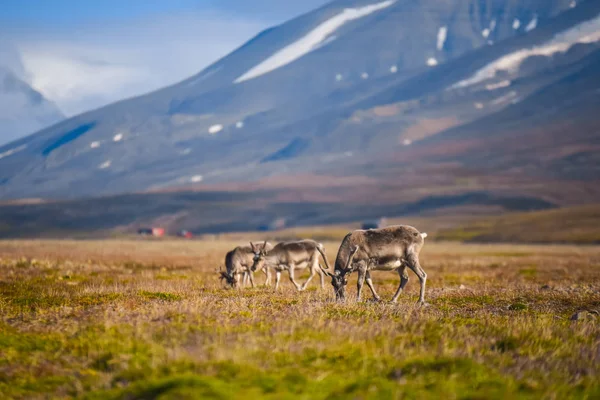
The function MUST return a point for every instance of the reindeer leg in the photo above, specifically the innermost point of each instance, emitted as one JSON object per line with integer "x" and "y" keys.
{"x": 362, "y": 273}
{"x": 267, "y": 272}
{"x": 251, "y": 276}
{"x": 403, "y": 282}
{"x": 413, "y": 263}
{"x": 370, "y": 285}
{"x": 291, "y": 272}
{"x": 277, "y": 279}
{"x": 322, "y": 277}
{"x": 313, "y": 272}
{"x": 237, "y": 281}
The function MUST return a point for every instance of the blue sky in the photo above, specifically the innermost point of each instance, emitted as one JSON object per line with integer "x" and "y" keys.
{"x": 73, "y": 11}
{"x": 83, "y": 54}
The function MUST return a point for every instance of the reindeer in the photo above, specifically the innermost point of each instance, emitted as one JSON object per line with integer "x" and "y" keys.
{"x": 238, "y": 263}
{"x": 293, "y": 256}
{"x": 388, "y": 249}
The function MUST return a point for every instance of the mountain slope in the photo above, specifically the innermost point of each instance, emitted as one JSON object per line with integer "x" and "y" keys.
{"x": 321, "y": 93}
{"x": 22, "y": 109}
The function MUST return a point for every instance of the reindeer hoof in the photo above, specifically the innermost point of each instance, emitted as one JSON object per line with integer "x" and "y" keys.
{"x": 422, "y": 304}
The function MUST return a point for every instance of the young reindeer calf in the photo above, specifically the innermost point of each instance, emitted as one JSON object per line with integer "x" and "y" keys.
{"x": 238, "y": 264}
{"x": 388, "y": 249}
{"x": 293, "y": 256}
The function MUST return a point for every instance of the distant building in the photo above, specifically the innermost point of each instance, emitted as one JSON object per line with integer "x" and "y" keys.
{"x": 156, "y": 232}
{"x": 186, "y": 234}
{"x": 275, "y": 225}
{"x": 374, "y": 224}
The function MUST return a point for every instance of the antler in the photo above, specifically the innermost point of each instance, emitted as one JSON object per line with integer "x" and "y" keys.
{"x": 224, "y": 275}
{"x": 348, "y": 267}
{"x": 325, "y": 271}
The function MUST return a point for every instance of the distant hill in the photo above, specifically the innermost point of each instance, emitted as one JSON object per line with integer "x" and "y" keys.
{"x": 23, "y": 110}
{"x": 569, "y": 225}
{"x": 357, "y": 110}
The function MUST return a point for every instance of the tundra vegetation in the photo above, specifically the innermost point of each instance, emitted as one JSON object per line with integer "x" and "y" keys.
{"x": 151, "y": 319}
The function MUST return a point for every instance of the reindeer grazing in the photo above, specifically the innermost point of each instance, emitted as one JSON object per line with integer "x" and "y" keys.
{"x": 388, "y": 249}
{"x": 293, "y": 256}
{"x": 239, "y": 261}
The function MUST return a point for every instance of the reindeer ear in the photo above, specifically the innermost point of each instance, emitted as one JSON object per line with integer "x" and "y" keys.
{"x": 252, "y": 247}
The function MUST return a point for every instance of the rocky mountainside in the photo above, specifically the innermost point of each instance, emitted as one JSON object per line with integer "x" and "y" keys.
{"x": 361, "y": 87}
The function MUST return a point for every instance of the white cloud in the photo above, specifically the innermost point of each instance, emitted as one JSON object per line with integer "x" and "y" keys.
{"x": 76, "y": 84}
{"x": 106, "y": 63}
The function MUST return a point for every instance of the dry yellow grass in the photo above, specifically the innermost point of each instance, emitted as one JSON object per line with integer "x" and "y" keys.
{"x": 149, "y": 319}
{"x": 564, "y": 225}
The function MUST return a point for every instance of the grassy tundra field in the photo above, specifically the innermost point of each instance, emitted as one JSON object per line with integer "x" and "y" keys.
{"x": 149, "y": 320}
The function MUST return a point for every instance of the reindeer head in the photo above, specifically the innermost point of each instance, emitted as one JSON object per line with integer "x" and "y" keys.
{"x": 259, "y": 255}
{"x": 339, "y": 279}
{"x": 229, "y": 278}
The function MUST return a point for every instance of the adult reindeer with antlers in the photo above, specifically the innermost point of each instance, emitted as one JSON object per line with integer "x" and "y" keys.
{"x": 238, "y": 264}
{"x": 394, "y": 248}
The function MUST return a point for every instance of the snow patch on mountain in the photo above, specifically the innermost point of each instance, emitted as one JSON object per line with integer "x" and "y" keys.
{"x": 516, "y": 24}
{"x": 532, "y": 24}
{"x": 311, "y": 41}
{"x": 499, "y": 85}
{"x": 12, "y": 151}
{"x": 203, "y": 76}
{"x": 441, "y": 37}
{"x": 586, "y": 32}
{"x": 214, "y": 129}
{"x": 105, "y": 164}
{"x": 503, "y": 99}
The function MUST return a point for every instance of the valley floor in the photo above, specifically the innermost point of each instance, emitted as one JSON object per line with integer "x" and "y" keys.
{"x": 149, "y": 319}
